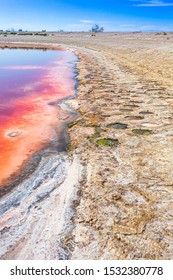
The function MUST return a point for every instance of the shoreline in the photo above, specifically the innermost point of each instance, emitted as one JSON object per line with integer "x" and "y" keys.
{"x": 41, "y": 179}
{"x": 21, "y": 45}
{"x": 122, "y": 210}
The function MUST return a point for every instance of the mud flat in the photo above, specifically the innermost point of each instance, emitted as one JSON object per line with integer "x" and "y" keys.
{"x": 118, "y": 187}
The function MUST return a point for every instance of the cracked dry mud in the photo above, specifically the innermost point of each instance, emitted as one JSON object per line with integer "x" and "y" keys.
{"x": 123, "y": 143}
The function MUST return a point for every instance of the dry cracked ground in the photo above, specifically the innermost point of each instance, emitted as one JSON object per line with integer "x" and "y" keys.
{"x": 123, "y": 140}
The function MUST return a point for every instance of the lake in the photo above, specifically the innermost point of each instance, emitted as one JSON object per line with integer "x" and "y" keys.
{"x": 31, "y": 84}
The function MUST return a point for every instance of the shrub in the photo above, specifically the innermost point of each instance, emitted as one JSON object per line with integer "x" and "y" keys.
{"x": 96, "y": 28}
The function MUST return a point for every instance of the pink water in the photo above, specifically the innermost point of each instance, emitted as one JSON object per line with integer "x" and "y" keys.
{"x": 29, "y": 81}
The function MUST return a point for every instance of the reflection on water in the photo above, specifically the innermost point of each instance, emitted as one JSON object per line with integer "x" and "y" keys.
{"x": 30, "y": 81}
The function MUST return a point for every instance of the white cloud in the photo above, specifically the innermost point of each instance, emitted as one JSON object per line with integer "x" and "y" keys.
{"x": 86, "y": 21}
{"x": 152, "y": 3}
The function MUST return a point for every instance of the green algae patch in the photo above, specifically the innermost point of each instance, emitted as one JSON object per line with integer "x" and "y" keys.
{"x": 96, "y": 135}
{"x": 142, "y": 131}
{"x": 108, "y": 142}
{"x": 121, "y": 126}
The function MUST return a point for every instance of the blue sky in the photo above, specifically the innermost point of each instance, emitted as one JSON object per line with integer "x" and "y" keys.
{"x": 78, "y": 15}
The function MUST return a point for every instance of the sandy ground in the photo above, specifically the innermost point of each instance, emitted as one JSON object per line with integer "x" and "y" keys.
{"x": 122, "y": 144}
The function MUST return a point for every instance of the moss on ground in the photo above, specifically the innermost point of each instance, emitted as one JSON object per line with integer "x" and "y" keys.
{"x": 142, "y": 131}
{"x": 108, "y": 142}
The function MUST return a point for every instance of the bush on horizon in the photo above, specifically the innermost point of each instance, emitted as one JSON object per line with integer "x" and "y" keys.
{"x": 96, "y": 28}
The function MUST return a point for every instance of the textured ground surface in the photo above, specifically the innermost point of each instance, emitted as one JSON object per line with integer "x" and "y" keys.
{"x": 122, "y": 145}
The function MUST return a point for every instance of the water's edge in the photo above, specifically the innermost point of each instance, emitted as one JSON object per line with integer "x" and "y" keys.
{"x": 36, "y": 205}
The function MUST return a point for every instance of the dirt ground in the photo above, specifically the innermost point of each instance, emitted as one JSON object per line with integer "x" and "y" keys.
{"x": 123, "y": 141}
